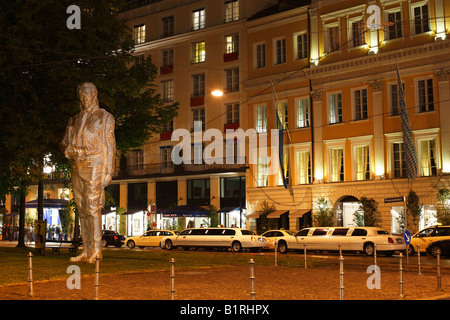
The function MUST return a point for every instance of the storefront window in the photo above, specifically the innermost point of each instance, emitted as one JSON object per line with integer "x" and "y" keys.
{"x": 198, "y": 192}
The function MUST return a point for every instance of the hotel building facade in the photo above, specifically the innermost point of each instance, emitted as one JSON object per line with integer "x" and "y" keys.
{"x": 332, "y": 80}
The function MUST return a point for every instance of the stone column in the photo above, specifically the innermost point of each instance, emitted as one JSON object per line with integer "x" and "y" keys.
{"x": 378, "y": 129}
{"x": 444, "y": 112}
{"x": 316, "y": 104}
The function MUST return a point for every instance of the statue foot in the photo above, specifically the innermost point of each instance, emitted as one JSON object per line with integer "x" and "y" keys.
{"x": 80, "y": 257}
{"x": 96, "y": 253}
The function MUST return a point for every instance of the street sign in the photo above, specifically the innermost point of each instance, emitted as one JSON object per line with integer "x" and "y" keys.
{"x": 396, "y": 199}
{"x": 407, "y": 237}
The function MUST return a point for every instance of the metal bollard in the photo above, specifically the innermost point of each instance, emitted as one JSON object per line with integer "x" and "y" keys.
{"x": 341, "y": 277}
{"x": 252, "y": 280}
{"x": 172, "y": 279}
{"x": 30, "y": 274}
{"x": 97, "y": 274}
{"x": 418, "y": 258}
{"x": 438, "y": 261}
{"x": 276, "y": 254}
{"x": 401, "y": 275}
{"x": 304, "y": 254}
{"x": 375, "y": 254}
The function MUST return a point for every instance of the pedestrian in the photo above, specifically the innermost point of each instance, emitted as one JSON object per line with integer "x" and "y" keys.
{"x": 27, "y": 233}
{"x": 16, "y": 232}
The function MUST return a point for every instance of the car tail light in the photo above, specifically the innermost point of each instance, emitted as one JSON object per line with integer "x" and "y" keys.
{"x": 254, "y": 239}
{"x": 115, "y": 238}
{"x": 390, "y": 240}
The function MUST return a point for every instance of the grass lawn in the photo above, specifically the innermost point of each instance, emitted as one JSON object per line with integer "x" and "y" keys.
{"x": 14, "y": 262}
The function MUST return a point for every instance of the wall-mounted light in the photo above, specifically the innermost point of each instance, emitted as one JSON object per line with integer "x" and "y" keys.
{"x": 440, "y": 36}
{"x": 217, "y": 93}
{"x": 373, "y": 50}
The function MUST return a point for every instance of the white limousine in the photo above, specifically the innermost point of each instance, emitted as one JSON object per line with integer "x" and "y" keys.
{"x": 362, "y": 239}
{"x": 234, "y": 238}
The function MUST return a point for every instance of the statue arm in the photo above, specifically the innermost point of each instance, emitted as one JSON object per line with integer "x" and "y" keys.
{"x": 110, "y": 149}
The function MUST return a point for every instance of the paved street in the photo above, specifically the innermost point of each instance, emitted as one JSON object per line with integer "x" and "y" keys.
{"x": 271, "y": 283}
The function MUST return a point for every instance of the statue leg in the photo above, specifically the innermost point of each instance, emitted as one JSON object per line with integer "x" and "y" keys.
{"x": 78, "y": 188}
{"x": 96, "y": 221}
{"x": 95, "y": 204}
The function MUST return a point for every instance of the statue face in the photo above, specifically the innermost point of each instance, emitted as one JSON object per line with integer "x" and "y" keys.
{"x": 88, "y": 95}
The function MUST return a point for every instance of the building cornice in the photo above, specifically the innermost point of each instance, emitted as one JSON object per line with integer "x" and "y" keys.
{"x": 418, "y": 56}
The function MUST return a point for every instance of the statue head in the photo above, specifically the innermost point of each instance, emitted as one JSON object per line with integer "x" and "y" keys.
{"x": 87, "y": 92}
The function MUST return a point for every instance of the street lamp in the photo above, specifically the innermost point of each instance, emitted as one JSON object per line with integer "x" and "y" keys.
{"x": 217, "y": 93}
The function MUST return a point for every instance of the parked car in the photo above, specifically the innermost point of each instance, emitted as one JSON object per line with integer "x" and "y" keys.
{"x": 151, "y": 238}
{"x": 442, "y": 245}
{"x": 234, "y": 238}
{"x": 110, "y": 237}
{"x": 276, "y": 235}
{"x": 358, "y": 239}
{"x": 425, "y": 236}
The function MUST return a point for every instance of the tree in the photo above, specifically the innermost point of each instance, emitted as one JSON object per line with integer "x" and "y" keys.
{"x": 413, "y": 211}
{"x": 367, "y": 215}
{"x": 324, "y": 215}
{"x": 263, "y": 220}
{"x": 42, "y": 63}
{"x": 443, "y": 209}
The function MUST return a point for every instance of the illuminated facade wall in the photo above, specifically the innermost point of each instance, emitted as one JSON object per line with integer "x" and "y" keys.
{"x": 351, "y": 145}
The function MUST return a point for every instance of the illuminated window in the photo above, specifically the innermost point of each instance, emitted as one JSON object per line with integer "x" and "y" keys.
{"x": 283, "y": 114}
{"x": 261, "y": 119}
{"x": 231, "y": 10}
{"x": 139, "y": 34}
{"x": 304, "y": 167}
{"x": 232, "y": 43}
{"x": 335, "y": 108}
{"x": 262, "y": 177}
{"x": 198, "y": 52}
{"x": 428, "y": 158}
{"x": 303, "y": 113}
{"x": 337, "y": 165}
{"x": 286, "y": 168}
{"x": 362, "y": 160}
{"x": 198, "y": 19}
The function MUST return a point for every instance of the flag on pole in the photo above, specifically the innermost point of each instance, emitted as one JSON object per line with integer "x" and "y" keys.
{"x": 280, "y": 132}
{"x": 408, "y": 141}
{"x": 281, "y": 147}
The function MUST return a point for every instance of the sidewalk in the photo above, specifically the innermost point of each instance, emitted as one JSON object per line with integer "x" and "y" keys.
{"x": 233, "y": 283}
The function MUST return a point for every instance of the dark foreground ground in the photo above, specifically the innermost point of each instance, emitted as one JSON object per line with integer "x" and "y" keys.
{"x": 233, "y": 283}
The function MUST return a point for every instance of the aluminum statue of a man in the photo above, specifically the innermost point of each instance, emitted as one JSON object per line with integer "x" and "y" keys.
{"x": 89, "y": 143}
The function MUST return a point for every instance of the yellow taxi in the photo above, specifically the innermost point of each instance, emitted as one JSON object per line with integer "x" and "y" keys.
{"x": 273, "y": 235}
{"x": 426, "y": 236}
{"x": 151, "y": 238}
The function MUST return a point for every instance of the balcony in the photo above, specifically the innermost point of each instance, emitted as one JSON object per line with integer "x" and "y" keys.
{"x": 163, "y": 136}
{"x": 232, "y": 56}
{"x": 163, "y": 70}
{"x": 170, "y": 169}
{"x": 197, "y": 101}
